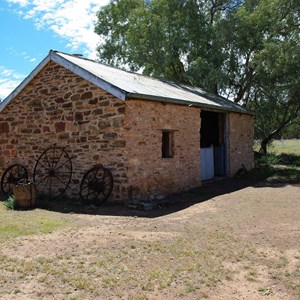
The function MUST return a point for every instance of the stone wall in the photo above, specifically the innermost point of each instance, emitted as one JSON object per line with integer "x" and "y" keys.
{"x": 60, "y": 107}
{"x": 240, "y": 131}
{"x": 149, "y": 175}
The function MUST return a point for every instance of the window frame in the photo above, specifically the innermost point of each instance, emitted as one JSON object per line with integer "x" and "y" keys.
{"x": 167, "y": 144}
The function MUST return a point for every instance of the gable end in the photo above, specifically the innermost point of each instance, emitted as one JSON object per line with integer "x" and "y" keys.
{"x": 115, "y": 91}
{"x": 52, "y": 56}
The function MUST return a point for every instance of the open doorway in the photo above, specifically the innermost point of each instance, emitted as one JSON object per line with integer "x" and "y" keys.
{"x": 213, "y": 145}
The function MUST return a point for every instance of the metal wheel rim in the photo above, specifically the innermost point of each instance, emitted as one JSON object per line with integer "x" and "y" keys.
{"x": 53, "y": 172}
{"x": 11, "y": 176}
{"x": 96, "y": 185}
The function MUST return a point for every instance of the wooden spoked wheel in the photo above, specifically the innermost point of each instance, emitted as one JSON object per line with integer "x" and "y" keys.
{"x": 52, "y": 172}
{"x": 96, "y": 185}
{"x": 12, "y": 176}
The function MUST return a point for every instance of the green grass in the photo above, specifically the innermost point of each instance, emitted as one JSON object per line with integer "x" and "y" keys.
{"x": 283, "y": 159}
{"x": 283, "y": 152}
{"x": 281, "y": 163}
{"x": 286, "y": 146}
{"x": 274, "y": 173}
{"x": 21, "y": 223}
{"x": 282, "y": 146}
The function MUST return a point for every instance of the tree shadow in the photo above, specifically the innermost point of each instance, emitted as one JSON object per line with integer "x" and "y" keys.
{"x": 168, "y": 205}
{"x": 274, "y": 176}
{"x": 288, "y": 159}
{"x": 257, "y": 178}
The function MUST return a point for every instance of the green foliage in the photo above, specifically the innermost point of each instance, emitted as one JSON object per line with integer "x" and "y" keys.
{"x": 283, "y": 152}
{"x": 289, "y": 159}
{"x": 273, "y": 173}
{"x": 281, "y": 164}
{"x": 293, "y": 131}
{"x": 270, "y": 159}
{"x": 247, "y": 50}
{"x": 10, "y": 203}
{"x": 170, "y": 39}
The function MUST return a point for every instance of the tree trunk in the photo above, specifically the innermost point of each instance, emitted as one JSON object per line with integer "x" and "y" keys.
{"x": 266, "y": 140}
{"x": 263, "y": 145}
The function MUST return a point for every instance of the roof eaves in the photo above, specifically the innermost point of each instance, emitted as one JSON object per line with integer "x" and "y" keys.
{"x": 23, "y": 84}
{"x": 135, "y": 96}
{"x": 115, "y": 91}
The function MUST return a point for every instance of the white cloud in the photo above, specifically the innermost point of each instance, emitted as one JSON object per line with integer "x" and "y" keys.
{"x": 72, "y": 20}
{"x": 9, "y": 79}
{"x": 20, "y": 2}
{"x": 25, "y": 56}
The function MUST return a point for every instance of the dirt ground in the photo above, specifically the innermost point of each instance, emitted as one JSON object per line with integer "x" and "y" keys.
{"x": 232, "y": 239}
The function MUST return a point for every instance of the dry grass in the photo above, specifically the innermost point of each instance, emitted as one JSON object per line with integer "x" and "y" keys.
{"x": 286, "y": 146}
{"x": 244, "y": 242}
{"x": 283, "y": 146}
{"x": 144, "y": 266}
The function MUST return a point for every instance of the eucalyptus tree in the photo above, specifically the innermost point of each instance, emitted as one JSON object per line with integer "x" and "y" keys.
{"x": 276, "y": 84}
{"x": 170, "y": 39}
{"x": 245, "y": 50}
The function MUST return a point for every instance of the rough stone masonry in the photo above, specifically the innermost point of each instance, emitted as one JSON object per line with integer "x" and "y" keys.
{"x": 58, "y": 106}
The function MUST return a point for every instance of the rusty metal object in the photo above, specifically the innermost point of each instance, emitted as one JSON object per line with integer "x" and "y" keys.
{"x": 12, "y": 176}
{"x": 96, "y": 185}
{"x": 52, "y": 172}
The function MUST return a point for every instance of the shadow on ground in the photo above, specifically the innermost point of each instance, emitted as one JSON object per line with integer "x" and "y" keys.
{"x": 258, "y": 178}
{"x": 180, "y": 201}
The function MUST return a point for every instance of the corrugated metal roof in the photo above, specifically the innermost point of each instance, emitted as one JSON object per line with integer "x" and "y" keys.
{"x": 127, "y": 85}
{"x": 144, "y": 87}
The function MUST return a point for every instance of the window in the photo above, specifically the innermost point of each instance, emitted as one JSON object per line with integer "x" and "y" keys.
{"x": 167, "y": 145}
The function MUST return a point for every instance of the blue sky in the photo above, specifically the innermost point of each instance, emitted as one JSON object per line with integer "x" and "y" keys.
{"x": 30, "y": 28}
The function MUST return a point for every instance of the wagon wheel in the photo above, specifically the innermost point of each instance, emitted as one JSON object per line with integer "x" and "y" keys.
{"x": 11, "y": 176}
{"x": 96, "y": 185}
{"x": 52, "y": 172}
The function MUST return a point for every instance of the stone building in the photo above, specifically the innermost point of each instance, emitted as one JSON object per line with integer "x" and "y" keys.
{"x": 156, "y": 137}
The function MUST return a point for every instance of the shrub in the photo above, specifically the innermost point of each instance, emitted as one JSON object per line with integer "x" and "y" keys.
{"x": 268, "y": 160}
{"x": 10, "y": 203}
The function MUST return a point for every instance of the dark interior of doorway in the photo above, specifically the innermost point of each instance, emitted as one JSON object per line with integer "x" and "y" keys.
{"x": 212, "y": 138}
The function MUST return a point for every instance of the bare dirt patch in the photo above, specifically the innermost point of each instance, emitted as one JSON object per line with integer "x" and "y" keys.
{"x": 232, "y": 239}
